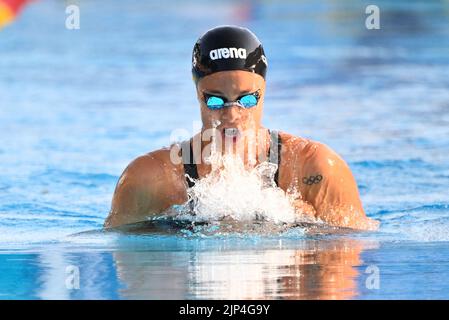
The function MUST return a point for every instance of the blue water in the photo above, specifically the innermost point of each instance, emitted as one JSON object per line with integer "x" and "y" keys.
{"x": 76, "y": 106}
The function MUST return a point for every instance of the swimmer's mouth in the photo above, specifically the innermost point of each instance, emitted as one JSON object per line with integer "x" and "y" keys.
{"x": 231, "y": 133}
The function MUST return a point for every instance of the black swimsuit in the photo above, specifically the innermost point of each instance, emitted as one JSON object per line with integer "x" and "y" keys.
{"x": 274, "y": 156}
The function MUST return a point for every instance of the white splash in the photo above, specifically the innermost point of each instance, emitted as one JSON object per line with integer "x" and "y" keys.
{"x": 232, "y": 192}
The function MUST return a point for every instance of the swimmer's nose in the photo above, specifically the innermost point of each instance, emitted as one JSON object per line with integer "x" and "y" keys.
{"x": 231, "y": 114}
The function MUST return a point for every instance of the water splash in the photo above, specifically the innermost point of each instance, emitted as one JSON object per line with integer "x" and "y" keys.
{"x": 231, "y": 191}
{"x": 234, "y": 192}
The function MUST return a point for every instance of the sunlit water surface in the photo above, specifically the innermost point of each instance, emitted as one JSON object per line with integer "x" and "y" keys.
{"x": 77, "y": 105}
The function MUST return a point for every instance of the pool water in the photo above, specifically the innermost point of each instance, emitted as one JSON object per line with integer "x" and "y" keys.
{"x": 77, "y": 106}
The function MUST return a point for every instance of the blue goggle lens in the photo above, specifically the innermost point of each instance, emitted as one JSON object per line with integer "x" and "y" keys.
{"x": 215, "y": 103}
{"x": 248, "y": 101}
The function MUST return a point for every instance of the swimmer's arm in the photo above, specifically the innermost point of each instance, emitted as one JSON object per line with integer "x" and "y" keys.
{"x": 135, "y": 196}
{"x": 332, "y": 190}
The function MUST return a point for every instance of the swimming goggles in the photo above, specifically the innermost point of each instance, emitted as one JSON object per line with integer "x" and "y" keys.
{"x": 246, "y": 101}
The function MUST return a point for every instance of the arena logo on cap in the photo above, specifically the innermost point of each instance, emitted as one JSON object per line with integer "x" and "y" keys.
{"x": 226, "y": 53}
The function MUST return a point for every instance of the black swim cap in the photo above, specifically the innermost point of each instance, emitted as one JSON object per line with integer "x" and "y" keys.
{"x": 228, "y": 48}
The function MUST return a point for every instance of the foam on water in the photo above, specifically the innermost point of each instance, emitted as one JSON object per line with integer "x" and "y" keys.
{"x": 232, "y": 191}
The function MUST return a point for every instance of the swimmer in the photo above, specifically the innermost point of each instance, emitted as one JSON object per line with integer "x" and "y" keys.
{"x": 229, "y": 70}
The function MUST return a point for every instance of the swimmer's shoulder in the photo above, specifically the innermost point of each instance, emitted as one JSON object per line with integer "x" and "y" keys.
{"x": 154, "y": 168}
{"x": 155, "y": 176}
{"x": 150, "y": 184}
{"x": 310, "y": 155}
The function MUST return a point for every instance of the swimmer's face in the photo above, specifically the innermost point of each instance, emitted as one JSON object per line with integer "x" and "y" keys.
{"x": 232, "y": 85}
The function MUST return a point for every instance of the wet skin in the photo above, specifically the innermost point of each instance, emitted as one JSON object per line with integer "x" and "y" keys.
{"x": 153, "y": 182}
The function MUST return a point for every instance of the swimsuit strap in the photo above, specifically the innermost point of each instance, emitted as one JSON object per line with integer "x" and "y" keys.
{"x": 274, "y": 153}
{"x": 188, "y": 160}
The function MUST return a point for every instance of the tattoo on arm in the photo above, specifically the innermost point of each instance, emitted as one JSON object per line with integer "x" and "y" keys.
{"x": 312, "y": 179}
